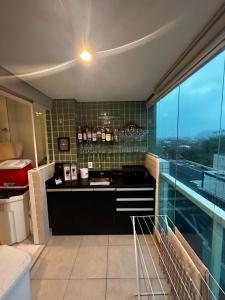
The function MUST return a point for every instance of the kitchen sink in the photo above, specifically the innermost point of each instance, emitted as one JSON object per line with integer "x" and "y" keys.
{"x": 100, "y": 181}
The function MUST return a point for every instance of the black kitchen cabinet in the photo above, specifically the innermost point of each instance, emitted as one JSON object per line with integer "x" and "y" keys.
{"x": 100, "y": 210}
{"x": 103, "y": 208}
{"x": 124, "y": 223}
{"x": 66, "y": 212}
{"x": 81, "y": 211}
{"x": 54, "y": 200}
{"x": 134, "y": 202}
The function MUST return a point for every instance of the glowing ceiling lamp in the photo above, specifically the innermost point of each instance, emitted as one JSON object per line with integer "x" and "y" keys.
{"x": 85, "y": 56}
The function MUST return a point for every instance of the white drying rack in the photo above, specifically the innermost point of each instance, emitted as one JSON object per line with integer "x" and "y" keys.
{"x": 141, "y": 262}
{"x": 144, "y": 258}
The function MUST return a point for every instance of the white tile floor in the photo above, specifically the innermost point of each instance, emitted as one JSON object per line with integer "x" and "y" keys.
{"x": 28, "y": 246}
{"x": 90, "y": 267}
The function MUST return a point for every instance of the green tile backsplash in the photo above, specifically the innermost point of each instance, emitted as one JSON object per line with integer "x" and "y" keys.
{"x": 66, "y": 115}
{"x": 63, "y": 119}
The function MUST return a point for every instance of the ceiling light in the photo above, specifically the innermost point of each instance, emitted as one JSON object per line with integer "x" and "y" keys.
{"x": 85, "y": 55}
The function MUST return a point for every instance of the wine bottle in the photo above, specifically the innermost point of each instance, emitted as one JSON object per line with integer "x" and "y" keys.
{"x": 84, "y": 134}
{"x": 79, "y": 134}
{"x": 94, "y": 135}
{"x": 107, "y": 135}
{"x": 116, "y": 135}
{"x": 103, "y": 134}
{"x": 111, "y": 134}
{"x": 99, "y": 135}
{"x": 89, "y": 134}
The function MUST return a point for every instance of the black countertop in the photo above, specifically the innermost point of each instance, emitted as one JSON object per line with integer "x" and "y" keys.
{"x": 117, "y": 181}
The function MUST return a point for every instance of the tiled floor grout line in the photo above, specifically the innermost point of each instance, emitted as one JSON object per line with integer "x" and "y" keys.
{"x": 107, "y": 265}
{"x": 41, "y": 256}
{"x": 68, "y": 281}
{"x": 49, "y": 279}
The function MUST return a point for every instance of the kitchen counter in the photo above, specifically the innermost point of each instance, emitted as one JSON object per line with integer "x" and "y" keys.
{"x": 117, "y": 181}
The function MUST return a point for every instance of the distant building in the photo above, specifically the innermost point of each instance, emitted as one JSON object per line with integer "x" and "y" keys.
{"x": 219, "y": 161}
{"x": 214, "y": 183}
{"x": 209, "y": 182}
{"x": 185, "y": 146}
{"x": 187, "y": 172}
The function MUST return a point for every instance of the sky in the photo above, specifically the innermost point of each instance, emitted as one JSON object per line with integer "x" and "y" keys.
{"x": 199, "y": 99}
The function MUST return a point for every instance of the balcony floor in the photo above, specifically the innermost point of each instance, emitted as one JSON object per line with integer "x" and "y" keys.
{"x": 92, "y": 267}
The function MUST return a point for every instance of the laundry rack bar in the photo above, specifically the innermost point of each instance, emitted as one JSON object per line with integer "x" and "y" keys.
{"x": 182, "y": 284}
{"x": 138, "y": 252}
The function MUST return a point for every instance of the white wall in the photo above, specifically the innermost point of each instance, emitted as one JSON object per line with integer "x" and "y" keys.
{"x": 20, "y": 124}
{"x": 38, "y": 201}
{"x": 40, "y": 132}
{"x": 21, "y": 89}
{"x": 4, "y": 124}
{"x": 152, "y": 165}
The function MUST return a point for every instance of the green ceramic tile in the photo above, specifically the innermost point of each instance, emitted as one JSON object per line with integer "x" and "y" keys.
{"x": 73, "y": 114}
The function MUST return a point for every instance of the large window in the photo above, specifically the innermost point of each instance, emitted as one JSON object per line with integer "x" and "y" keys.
{"x": 166, "y": 125}
{"x": 187, "y": 132}
{"x": 187, "y": 128}
{"x": 200, "y": 113}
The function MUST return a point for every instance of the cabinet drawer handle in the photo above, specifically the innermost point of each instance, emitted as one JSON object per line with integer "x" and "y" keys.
{"x": 58, "y": 190}
{"x": 82, "y": 190}
{"x": 133, "y": 199}
{"x": 134, "y": 209}
{"x": 104, "y": 189}
{"x": 135, "y": 189}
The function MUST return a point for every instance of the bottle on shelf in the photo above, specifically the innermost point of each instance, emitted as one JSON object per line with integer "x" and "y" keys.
{"x": 111, "y": 134}
{"x": 79, "y": 135}
{"x": 99, "y": 135}
{"x": 89, "y": 135}
{"x": 103, "y": 134}
{"x": 108, "y": 135}
{"x": 94, "y": 135}
{"x": 84, "y": 134}
{"x": 116, "y": 135}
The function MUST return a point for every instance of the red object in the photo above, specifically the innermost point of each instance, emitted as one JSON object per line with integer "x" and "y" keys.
{"x": 14, "y": 178}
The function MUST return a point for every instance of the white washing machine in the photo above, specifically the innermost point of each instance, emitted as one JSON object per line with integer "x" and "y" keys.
{"x": 14, "y": 219}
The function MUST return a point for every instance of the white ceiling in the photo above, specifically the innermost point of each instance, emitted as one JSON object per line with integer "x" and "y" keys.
{"x": 41, "y": 40}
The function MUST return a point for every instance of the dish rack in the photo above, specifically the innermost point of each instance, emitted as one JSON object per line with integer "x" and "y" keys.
{"x": 164, "y": 268}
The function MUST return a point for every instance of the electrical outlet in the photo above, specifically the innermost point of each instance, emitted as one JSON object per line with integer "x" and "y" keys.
{"x": 90, "y": 165}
